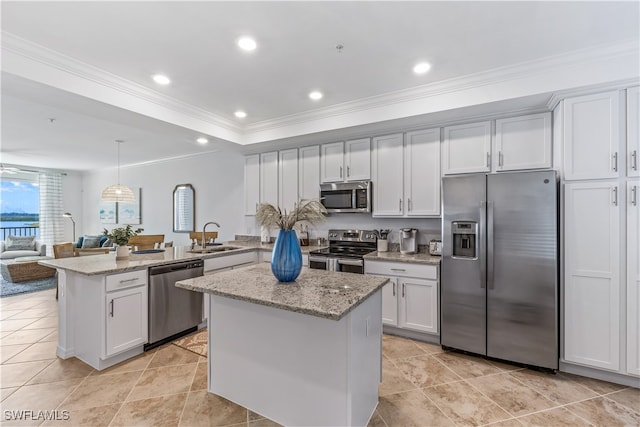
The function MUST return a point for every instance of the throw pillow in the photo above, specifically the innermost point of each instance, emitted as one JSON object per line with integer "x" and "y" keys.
{"x": 107, "y": 243}
{"x": 90, "y": 241}
{"x": 20, "y": 243}
{"x": 79, "y": 244}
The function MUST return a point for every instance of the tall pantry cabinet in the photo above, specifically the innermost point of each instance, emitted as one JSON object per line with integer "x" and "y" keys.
{"x": 601, "y": 279}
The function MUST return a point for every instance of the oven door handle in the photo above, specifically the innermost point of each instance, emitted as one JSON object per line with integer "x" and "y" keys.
{"x": 317, "y": 259}
{"x": 356, "y": 262}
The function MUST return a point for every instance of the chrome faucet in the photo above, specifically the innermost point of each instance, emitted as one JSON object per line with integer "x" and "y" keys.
{"x": 204, "y": 243}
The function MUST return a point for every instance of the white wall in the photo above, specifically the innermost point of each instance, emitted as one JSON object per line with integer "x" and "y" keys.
{"x": 217, "y": 178}
{"x": 72, "y": 202}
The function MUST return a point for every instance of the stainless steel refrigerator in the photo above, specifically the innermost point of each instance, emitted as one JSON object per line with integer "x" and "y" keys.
{"x": 499, "y": 287}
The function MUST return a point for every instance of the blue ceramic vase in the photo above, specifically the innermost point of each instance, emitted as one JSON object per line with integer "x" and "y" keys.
{"x": 286, "y": 259}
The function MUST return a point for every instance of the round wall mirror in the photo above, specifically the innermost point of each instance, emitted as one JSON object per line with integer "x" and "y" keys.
{"x": 184, "y": 209}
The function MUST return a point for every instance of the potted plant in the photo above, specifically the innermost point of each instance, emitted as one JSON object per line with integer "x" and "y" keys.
{"x": 120, "y": 237}
{"x": 286, "y": 259}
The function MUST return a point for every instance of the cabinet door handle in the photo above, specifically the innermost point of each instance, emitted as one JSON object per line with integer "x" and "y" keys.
{"x": 400, "y": 205}
{"x": 615, "y": 162}
{"x": 111, "y": 310}
{"x": 488, "y": 159}
{"x": 403, "y": 290}
{"x": 634, "y": 160}
{"x": 256, "y": 207}
{"x": 340, "y": 171}
{"x": 614, "y": 190}
{"x": 409, "y": 205}
{"x": 394, "y": 289}
{"x": 500, "y": 160}
{"x": 634, "y": 195}
{"x": 398, "y": 269}
{"x": 348, "y": 171}
{"x": 129, "y": 280}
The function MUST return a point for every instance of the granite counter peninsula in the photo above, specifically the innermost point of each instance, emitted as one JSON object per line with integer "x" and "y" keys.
{"x": 301, "y": 353}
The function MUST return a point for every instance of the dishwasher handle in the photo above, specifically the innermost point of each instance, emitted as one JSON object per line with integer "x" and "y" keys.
{"x": 163, "y": 269}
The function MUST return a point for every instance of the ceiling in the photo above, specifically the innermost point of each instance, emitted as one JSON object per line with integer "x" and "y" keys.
{"x": 194, "y": 44}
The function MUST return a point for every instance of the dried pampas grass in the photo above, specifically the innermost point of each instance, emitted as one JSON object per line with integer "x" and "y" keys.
{"x": 306, "y": 211}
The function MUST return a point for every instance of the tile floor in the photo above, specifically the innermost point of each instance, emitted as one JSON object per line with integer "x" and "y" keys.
{"x": 422, "y": 386}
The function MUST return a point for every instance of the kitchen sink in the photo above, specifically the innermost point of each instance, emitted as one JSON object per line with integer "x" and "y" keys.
{"x": 214, "y": 249}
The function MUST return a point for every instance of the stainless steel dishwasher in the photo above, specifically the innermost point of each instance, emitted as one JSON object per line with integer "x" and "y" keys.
{"x": 173, "y": 311}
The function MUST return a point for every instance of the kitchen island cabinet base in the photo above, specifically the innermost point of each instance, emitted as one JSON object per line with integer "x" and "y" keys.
{"x": 293, "y": 368}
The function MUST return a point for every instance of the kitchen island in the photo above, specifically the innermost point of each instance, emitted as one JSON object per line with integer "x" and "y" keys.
{"x": 301, "y": 353}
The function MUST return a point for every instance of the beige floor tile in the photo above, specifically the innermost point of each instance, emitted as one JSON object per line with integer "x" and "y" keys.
{"x": 6, "y": 392}
{"x": 37, "y": 351}
{"x": 397, "y": 347}
{"x": 465, "y": 405}
{"x": 18, "y": 374}
{"x": 411, "y": 408}
{"x": 173, "y": 355}
{"x": 558, "y": 388}
{"x": 8, "y": 351}
{"x": 6, "y": 314}
{"x": 375, "y": 421}
{"x": 62, "y": 369}
{"x": 511, "y": 422}
{"x": 44, "y": 323}
{"x": 32, "y": 313}
{"x": 25, "y": 336}
{"x": 429, "y": 348}
{"x": 426, "y": 371}
{"x": 557, "y": 417}
{"x": 200, "y": 378}
{"x": 504, "y": 366}
{"x": 101, "y": 390}
{"x": 629, "y": 398}
{"x": 163, "y": 381}
{"x": 605, "y": 412}
{"x": 264, "y": 422}
{"x": 40, "y": 397}
{"x": 15, "y": 325}
{"x": 20, "y": 303}
{"x": 511, "y": 394}
{"x": 155, "y": 412}
{"x": 602, "y": 387}
{"x": 135, "y": 364}
{"x": 207, "y": 409}
{"x": 467, "y": 366}
{"x": 393, "y": 380}
{"x": 90, "y": 417}
{"x": 53, "y": 336}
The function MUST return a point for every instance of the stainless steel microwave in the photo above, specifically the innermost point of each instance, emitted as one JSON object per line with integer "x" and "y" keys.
{"x": 341, "y": 197}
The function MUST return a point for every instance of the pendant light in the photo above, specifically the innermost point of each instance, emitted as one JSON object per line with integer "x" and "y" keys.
{"x": 118, "y": 193}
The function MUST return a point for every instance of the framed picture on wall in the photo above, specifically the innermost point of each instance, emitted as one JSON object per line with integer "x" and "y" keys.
{"x": 108, "y": 212}
{"x": 129, "y": 212}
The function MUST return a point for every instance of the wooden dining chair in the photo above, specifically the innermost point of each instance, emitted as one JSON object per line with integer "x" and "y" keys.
{"x": 207, "y": 235}
{"x": 146, "y": 241}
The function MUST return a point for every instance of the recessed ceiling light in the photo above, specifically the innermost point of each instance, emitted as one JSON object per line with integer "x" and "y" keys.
{"x": 240, "y": 114}
{"x": 161, "y": 79}
{"x": 315, "y": 95}
{"x": 202, "y": 140}
{"x": 247, "y": 43}
{"x": 421, "y": 68}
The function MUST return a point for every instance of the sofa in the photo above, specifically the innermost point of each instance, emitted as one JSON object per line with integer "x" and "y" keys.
{"x": 21, "y": 246}
{"x": 92, "y": 243}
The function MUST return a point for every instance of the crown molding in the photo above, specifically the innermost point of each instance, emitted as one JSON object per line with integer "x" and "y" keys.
{"x": 458, "y": 84}
{"x": 50, "y": 58}
{"x": 555, "y": 99}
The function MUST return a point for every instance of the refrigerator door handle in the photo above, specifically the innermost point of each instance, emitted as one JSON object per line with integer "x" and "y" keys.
{"x": 480, "y": 245}
{"x": 490, "y": 232}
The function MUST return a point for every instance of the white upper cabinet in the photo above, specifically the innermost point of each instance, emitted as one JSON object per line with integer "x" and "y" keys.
{"x": 309, "y": 172}
{"x": 332, "y": 162}
{"x": 288, "y": 178}
{"x": 350, "y": 161}
{"x": 467, "y": 148}
{"x": 422, "y": 173}
{"x": 269, "y": 178}
{"x": 633, "y": 131}
{"x": 251, "y": 184}
{"x": 388, "y": 164}
{"x": 591, "y": 134}
{"x": 523, "y": 143}
{"x": 357, "y": 157}
{"x": 406, "y": 174}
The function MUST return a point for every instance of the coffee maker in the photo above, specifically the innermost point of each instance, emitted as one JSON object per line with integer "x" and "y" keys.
{"x": 408, "y": 240}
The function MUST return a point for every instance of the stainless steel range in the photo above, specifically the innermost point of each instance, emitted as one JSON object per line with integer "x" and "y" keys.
{"x": 345, "y": 252}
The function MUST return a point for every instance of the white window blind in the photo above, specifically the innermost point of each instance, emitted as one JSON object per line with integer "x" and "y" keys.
{"x": 51, "y": 220}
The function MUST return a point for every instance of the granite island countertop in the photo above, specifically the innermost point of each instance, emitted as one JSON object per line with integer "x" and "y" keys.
{"x": 319, "y": 293}
{"x": 393, "y": 256}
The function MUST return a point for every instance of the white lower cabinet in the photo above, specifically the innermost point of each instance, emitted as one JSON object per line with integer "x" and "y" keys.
{"x": 592, "y": 274}
{"x": 126, "y": 311}
{"x": 633, "y": 277}
{"x": 410, "y": 299}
